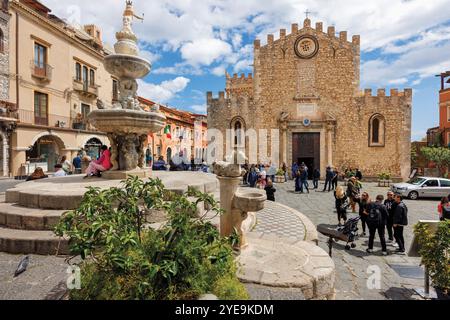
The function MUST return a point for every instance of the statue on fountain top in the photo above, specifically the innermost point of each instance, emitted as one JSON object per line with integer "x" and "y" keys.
{"x": 127, "y": 40}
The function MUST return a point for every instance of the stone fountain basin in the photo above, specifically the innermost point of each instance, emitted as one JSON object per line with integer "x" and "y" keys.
{"x": 127, "y": 121}
{"x": 127, "y": 66}
{"x": 249, "y": 201}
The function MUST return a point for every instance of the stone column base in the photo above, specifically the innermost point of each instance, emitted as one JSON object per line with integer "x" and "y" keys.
{"x": 122, "y": 175}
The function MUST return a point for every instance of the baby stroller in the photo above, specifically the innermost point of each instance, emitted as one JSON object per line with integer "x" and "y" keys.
{"x": 348, "y": 233}
{"x": 350, "y": 229}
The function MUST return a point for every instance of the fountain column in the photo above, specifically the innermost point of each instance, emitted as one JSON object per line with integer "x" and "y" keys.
{"x": 125, "y": 123}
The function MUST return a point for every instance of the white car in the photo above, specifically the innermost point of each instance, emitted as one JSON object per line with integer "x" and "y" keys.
{"x": 423, "y": 187}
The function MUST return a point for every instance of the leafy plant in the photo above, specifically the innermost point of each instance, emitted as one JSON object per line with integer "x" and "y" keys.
{"x": 280, "y": 172}
{"x": 123, "y": 258}
{"x": 384, "y": 176}
{"x": 435, "y": 252}
{"x": 440, "y": 156}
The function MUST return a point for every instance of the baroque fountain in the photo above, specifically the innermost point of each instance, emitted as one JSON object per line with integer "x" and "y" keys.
{"x": 125, "y": 123}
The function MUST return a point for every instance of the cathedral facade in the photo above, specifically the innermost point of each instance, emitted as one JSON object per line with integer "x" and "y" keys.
{"x": 306, "y": 88}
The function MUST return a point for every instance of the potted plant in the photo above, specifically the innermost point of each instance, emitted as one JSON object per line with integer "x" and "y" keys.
{"x": 279, "y": 176}
{"x": 384, "y": 179}
{"x": 434, "y": 248}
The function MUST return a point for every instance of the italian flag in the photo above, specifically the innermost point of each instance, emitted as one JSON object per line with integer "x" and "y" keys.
{"x": 167, "y": 132}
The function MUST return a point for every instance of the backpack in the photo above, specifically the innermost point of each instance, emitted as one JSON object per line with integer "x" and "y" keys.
{"x": 445, "y": 213}
{"x": 375, "y": 218}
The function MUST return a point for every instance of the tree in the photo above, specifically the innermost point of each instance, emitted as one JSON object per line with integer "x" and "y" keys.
{"x": 440, "y": 156}
{"x": 413, "y": 154}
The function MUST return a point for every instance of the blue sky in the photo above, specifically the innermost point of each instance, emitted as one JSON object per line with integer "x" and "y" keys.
{"x": 192, "y": 42}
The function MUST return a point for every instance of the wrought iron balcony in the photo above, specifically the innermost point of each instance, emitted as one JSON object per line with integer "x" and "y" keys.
{"x": 85, "y": 89}
{"x": 41, "y": 71}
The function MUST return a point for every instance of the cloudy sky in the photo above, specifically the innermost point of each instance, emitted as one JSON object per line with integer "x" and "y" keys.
{"x": 192, "y": 42}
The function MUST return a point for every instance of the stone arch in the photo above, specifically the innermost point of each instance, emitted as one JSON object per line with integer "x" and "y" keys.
{"x": 238, "y": 127}
{"x": 377, "y": 126}
{"x": 57, "y": 138}
{"x": 85, "y": 141}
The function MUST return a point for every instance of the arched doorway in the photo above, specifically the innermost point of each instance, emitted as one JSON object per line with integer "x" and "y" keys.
{"x": 93, "y": 147}
{"x": 45, "y": 153}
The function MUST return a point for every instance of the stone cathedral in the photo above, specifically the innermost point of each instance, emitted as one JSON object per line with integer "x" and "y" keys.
{"x": 306, "y": 84}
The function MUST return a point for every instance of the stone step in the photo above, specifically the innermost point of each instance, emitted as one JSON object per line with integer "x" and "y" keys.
{"x": 32, "y": 242}
{"x": 14, "y": 216}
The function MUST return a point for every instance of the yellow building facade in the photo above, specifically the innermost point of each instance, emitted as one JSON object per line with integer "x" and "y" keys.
{"x": 56, "y": 78}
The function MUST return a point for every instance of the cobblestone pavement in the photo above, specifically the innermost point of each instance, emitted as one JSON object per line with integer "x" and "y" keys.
{"x": 353, "y": 268}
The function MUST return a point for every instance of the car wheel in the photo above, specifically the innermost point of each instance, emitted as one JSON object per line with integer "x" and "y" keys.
{"x": 413, "y": 195}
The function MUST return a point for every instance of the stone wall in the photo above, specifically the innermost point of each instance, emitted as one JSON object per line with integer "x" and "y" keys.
{"x": 325, "y": 90}
{"x": 4, "y": 57}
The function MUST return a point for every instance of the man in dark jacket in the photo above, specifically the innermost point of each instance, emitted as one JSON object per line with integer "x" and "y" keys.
{"x": 399, "y": 222}
{"x": 303, "y": 179}
{"x": 328, "y": 177}
{"x": 376, "y": 221}
{"x": 316, "y": 177}
{"x": 390, "y": 206}
{"x": 358, "y": 174}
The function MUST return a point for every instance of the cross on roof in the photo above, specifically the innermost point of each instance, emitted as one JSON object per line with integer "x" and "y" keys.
{"x": 307, "y": 12}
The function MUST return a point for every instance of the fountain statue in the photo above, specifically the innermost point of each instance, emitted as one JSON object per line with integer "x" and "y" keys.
{"x": 125, "y": 123}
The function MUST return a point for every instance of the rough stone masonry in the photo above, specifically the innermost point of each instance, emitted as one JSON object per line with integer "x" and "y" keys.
{"x": 306, "y": 85}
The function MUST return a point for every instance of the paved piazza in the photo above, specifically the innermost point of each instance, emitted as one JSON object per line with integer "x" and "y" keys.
{"x": 353, "y": 267}
{"x": 44, "y": 273}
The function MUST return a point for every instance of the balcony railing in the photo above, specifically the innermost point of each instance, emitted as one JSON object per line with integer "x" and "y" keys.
{"x": 52, "y": 120}
{"x": 8, "y": 110}
{"x": 42, "y": 71}
{"x": 88, "y": 90}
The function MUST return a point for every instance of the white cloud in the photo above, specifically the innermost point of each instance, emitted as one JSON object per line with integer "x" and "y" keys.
{"x": 201, "y": 108}
{"x": 150, "y": 56}
{"x": 210, "y": 33}
{"x": 204, "y": 51}
{"x": 219, "y": 71}
{"x": 163, "y": 92}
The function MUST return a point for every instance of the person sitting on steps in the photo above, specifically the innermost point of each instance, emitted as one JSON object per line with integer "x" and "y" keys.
{"x": 102, "y": 164}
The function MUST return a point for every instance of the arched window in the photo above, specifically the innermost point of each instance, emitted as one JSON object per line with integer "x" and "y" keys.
{"x": 376, "y": 131}
{"x": 2, "y": 41}
{"x": 238, "y": 133}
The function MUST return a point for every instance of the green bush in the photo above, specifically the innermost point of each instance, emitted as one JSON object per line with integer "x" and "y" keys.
{"x": 124, "y": 259}
{"x": 435, "y": 252}
{"x": 280, "y": 172}
{"x": 384, "y": 176}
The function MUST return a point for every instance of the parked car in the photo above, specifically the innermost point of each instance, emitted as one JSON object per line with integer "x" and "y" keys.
{"x": 423, "y": 187}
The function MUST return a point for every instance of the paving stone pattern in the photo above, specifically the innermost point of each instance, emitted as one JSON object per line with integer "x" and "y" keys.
{"x": 353, "y": 267}
{"x": 280, "y": 221}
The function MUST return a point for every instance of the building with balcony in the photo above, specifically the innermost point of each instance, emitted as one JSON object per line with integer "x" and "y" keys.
{"x": 184, "y": 132}
{"x": 444, "y": 108}
{"x": 56, "y": 75}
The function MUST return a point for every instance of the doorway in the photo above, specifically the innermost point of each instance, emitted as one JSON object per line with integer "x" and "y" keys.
{"x": 306, "y": 148}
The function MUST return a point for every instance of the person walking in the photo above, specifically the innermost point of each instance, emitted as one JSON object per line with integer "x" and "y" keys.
{"x": 334, "y": 181}
{"x": 284, "y": 167}
{"x": 76, "y": 162}
{"x": 252, "y": 176}
{"x": 328, "y": 179}
{"x": 363, "y": 211}
{"x": 377, "y": 216}
{"x": 353, "y": 193}
{"x": 303, "y": 179}
{"x": 341, "y": 202}
{"x": 390, "y": 205}
{"x": 316, "y": 177}
{"x": 400, "y": 221}
{"x": 270, "y": 191}
{"x": 294, "y": 170}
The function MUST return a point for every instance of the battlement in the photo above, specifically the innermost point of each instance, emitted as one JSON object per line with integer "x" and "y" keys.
{"x": 331, "y": 32}
{"x": 237, "y": 86}
{"x": 381, "y": 93}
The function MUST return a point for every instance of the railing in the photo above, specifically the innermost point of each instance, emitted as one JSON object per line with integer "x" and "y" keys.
{"x": 42, "y": 71}
{"x": 84, "y": 88}
{"x": 8, "y": 109}
{"x": 52, "y": 120}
